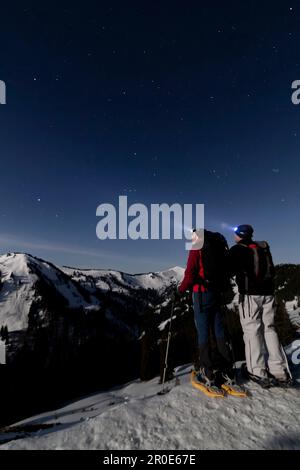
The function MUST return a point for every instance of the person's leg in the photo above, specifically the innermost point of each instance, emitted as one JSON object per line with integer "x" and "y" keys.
{"x": 277, "y": 359}
{"x": 224, "y": 361}
{"x": 201, "y": 318}
{"x": 225, "y": 377}
{"x": 250, "y": 309}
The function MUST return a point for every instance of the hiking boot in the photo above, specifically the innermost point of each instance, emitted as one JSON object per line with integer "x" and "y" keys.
{"x": 264, "y": 382}
{"x": 283, "y": 380}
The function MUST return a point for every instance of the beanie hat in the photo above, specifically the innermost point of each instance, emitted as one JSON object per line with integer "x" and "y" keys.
{"x": 244, "y": 231}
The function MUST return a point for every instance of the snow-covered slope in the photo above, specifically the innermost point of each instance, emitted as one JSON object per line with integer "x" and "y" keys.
{"x": 135, "y": 417}
{"x": 79, "y": 313}
{"x": 16, "y": 293}
{"x": 116, "y": 281}
{"x": 20, "y": 275}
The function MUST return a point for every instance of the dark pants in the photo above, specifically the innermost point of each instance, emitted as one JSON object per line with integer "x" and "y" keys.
{"x": 214, "y": 354}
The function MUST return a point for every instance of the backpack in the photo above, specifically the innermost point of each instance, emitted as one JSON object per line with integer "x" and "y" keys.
{"x": 262, "y": 261}
{"x": 213, "y": 270}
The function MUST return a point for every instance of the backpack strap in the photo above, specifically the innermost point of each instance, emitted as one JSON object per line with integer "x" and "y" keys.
{"x": 255, "y": 246}
{"x": 270, "y": 266}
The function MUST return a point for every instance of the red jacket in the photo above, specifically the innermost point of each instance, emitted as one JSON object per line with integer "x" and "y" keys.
{"x": 193, "y": 273}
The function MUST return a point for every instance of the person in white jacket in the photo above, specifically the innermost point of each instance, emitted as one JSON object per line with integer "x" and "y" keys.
{"x": 251, "y": 262}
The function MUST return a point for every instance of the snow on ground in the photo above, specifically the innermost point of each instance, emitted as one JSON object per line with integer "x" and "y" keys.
{"x": 135, "y": 417}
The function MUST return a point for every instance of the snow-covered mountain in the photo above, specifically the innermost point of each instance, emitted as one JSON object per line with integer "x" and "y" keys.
{"x": 25, "y": 280}
{"x": 116, "y": 281}
{"x": 74, "y": 306}
{"x": 91, "y": 329}
{"x": 135, "y": 417}
{"x": 64, "y": 323}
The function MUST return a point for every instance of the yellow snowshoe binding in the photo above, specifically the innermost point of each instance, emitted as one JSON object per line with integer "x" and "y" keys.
{"x": 205, "y": 385}
{"x": 231, "y": 388}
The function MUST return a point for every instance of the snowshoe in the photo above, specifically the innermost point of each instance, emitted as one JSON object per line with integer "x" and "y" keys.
{"x": 285, "y": 382}
{"x": 232, "y": 388}
{"x": 206, "y": 386}
{"x": 264, "y": 382}
{"x": 288, "y": 383}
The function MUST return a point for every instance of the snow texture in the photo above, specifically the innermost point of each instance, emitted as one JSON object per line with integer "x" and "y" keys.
{"x": 135, "y": 417}
{"x": 121, "y": 282}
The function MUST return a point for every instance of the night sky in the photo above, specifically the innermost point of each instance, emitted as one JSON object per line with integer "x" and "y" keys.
{"x": 164, "y": 101}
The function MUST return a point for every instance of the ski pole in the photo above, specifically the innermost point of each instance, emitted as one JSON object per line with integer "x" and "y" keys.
{"x": 167, "y": 351}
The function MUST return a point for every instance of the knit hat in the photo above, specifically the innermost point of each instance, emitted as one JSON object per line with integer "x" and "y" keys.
{"x": 244, "y": 231}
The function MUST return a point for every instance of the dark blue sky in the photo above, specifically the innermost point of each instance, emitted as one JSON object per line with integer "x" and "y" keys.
{"x": 168, "y": 101}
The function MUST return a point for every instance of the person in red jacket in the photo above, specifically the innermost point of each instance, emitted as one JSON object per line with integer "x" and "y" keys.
{"x": 206, "y": 275}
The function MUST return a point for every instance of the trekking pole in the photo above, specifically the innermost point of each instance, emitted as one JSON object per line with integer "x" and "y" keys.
{"x": 163, "y": 391}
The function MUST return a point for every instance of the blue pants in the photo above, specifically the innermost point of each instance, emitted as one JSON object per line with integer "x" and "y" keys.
{"x": 210, "y": 329}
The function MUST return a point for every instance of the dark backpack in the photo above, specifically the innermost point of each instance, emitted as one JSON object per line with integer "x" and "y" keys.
{"x": 213, "y": 261}
{"x": 263, "y": 267}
